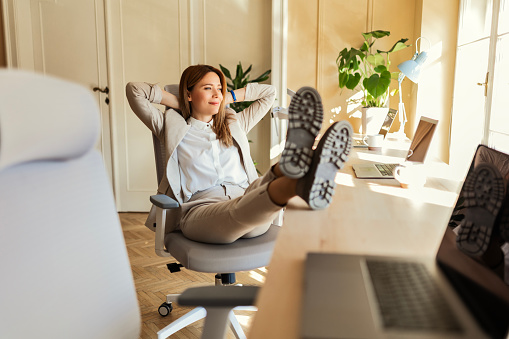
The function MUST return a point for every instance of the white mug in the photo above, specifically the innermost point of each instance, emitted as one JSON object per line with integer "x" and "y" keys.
{"x": 409, "y": 175}
{"x": 374, "y": 141}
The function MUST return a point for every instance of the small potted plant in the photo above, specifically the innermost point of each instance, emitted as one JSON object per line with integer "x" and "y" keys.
{"x": 367, "y": 69}
{"x": 240, "y": 81}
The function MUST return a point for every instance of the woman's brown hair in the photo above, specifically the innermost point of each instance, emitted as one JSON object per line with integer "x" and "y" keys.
{"x": 190, "y": 77}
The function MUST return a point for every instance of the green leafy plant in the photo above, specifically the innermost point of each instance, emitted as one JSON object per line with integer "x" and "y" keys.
{"x": 240, "y": 81}
{"x": 368, "y": 69}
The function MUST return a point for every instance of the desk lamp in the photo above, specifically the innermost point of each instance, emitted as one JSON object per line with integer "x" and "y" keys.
{"x": 411, "y": 69}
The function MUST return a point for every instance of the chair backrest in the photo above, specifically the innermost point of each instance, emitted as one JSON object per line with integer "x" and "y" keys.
{"x": 159, "y": 148}
{"x": 160, "y": 156}
{"x": 65, "y": 269}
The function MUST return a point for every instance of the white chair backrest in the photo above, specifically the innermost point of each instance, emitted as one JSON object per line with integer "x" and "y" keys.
{"x": 65, "y": 269}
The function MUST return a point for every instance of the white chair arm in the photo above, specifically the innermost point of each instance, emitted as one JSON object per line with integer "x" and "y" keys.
{"x": 162, "y": 203}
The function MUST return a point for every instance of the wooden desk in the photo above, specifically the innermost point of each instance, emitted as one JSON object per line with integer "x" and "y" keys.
{"x": 366, "y": 216}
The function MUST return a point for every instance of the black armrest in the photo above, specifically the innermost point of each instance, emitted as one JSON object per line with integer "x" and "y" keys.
{"x": 219, "y": 296}
{"x": 163, "y": 201}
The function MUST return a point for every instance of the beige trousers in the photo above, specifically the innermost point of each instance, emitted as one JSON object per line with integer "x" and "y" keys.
{"x": 223, "y": 214}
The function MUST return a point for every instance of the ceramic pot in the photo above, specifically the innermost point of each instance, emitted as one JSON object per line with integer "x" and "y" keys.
{"x": 372, "y": 119}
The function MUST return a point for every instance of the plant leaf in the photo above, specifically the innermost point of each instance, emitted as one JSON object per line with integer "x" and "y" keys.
{"x": 376, "y": 59}
{"x": 262, "y": 77}
{"x": 377, "y": 85}
{"x": 346, "y": 58}
{"x": 376, "y": 34}
{"x": 343, "y": 79}
{"x": 399, "y": 45}
{"x": 237, "y": 83}
{"x": 248, "y": 69}
{"x": 225, "y": 71}
{"x": 239, "y": 74}
{"x": 353, "y": 80}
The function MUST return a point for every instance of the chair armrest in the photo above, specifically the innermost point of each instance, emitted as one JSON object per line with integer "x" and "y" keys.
{"x": 163, "y": 201}
{"x": 219, "y": 296}
{"x": 219, "y": 302}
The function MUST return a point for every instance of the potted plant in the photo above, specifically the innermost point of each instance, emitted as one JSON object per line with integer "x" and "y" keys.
{"x": 367, "y": 69}
{"x": 240, "y": 81}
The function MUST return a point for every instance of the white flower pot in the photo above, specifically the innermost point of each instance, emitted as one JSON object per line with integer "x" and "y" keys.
{"x": 372, "y": 119}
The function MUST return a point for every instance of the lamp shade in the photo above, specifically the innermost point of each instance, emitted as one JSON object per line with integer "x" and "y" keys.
{"x": 412, "y": 68}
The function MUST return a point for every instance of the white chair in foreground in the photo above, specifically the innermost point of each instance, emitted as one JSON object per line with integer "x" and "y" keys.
{"x": 65, "y": 269}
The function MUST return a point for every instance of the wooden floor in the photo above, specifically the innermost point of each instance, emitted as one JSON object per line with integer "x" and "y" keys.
{"x": 153, "y": 281}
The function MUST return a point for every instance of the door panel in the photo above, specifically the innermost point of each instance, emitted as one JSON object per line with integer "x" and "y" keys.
{"x": 499, "y": 118}
{"x": 468, "y": 105}
{"x": 468, "y": 116}
{"x": 64, "y": 38}
{"x": 145, "y": 45}
{"x": 475, "y": 20}
{"x": 499, "y": 121}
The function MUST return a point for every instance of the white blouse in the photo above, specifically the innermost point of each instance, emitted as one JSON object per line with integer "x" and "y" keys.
{"x": 205, "y": 162}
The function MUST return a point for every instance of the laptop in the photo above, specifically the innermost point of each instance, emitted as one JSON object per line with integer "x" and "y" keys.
{"x": 386, "y": 126}
{"x": 416, "y": 154}
{"x": 355, "y": 296}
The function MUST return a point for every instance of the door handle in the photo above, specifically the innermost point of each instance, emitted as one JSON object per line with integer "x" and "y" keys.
{"x": 105, "y": 90}
{"x": 485, "y": 84}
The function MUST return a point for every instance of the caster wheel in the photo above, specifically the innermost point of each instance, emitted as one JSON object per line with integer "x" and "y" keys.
{"x": 165, "y": 309}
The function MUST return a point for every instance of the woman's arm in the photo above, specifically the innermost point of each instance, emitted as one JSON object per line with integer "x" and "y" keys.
{"x": 240, "y": 95}
{"x": 169, "y": 100}
{"x": 140, "y": 95}
{"x": 263, "y": 97}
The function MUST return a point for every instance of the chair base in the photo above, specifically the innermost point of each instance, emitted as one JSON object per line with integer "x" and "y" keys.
{"x": 215, "y": 323}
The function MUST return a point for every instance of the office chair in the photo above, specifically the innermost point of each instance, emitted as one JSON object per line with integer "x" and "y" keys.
{"x": 65, "y": 269}
{"x": 242, "y": 255}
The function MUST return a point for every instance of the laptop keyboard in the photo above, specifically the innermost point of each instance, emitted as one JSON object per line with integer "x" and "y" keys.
{"x": 386, "y": 169}
{"x": 409, "y": 298}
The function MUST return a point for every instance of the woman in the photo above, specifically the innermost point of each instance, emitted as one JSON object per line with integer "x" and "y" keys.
{"x": 209, "y": 169}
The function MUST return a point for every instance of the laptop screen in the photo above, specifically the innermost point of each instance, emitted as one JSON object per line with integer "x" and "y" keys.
{"x": 422, "y": 139}
{"x": 481, "y": 282}
{"x": 389, "y": 119}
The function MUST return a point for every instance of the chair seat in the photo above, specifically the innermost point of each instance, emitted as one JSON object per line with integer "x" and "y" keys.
{"x": 241, "y": 255}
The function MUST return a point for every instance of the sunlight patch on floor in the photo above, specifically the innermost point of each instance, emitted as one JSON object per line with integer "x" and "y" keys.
{"x": 257, "y": 276}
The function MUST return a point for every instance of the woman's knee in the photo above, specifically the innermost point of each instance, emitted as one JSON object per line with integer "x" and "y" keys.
{"x": 256, "y": 232}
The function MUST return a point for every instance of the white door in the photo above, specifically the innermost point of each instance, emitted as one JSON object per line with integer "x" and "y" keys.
{"x": 479, "y": 106}
{"x": 498, "y": 131}
{"x": 63, "y": 38}
{"x": 468, "y": 116}
{"x": 147, "y": 42}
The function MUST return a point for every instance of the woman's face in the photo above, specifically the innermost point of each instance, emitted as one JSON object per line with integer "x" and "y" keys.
{"x": 205, "y": 97}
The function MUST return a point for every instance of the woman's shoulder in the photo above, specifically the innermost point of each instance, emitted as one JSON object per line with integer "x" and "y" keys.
{"x": 174, "y": 117}
{"x": 231, "y": 115}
